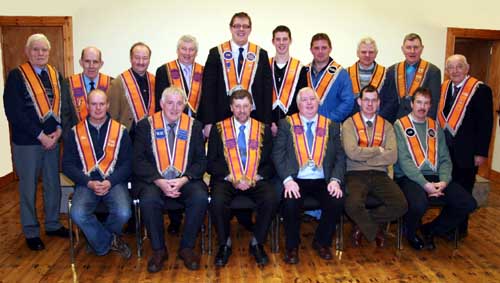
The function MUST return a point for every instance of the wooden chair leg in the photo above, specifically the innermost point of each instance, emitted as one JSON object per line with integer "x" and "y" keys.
{"x": 399, "y": 234}
{"x": 71, "y": 240}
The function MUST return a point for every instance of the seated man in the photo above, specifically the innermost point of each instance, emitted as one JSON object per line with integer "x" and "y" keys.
{"x": 239, "y": 160}
{"x": 370, "y": 146}
{"x": 98, "y": 159}
{"x": 423, "y": 172}
{"x": 169, "y": 162}
{"x": 309, "y": 158}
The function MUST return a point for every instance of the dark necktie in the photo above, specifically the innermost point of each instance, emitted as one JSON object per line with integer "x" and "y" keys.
{"x": 369, "y": 124}
{"x": 456, "y": 90}
{"x": 242, "y": 145}
{"x": 44, "y": 77}
{"x": 240, "y": 60}
{"x": 171, "y": 137}
{"x": 92, "y": 85}
{"x": 309, "y": 135}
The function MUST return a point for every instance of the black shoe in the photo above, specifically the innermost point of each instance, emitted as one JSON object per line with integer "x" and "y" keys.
{"x": 119, "y": 246}
{"x": 428, "y": 237}
{"x": 173, "y": 229}
{"x": 35, "y": 244}
{"x": 259, "y": 254}
{"x": 61, "y": 232}
{"x": 292, "y": 256}
{"x": 190, "y": 258}
{"x": 416, "y": 243}
{"x": 155, "y": 262}
{"x": 223, "y": 255}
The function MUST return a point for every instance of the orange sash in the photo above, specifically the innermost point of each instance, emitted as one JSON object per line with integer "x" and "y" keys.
{"x": 414, "y": 143}
{"x": 283, "y": 97}
{"x": 134, "y": 96}
{"x": 175, "y": 78}
{"x": 454, "y": 119}
{"x": 326, "y": 81}
{"x": 237, "y": 171}
{"x": 159, "y": 141}
{"x": 304, "y": 157}
{"x": 105, "y": 165}
{"x": 418, "y": 80}
{"x": 377, "y": 137}
{"x": 377, "y": 79}
{"x": 231, "y": 78}
{"x": 78, "y": 93}
{"x": 37, "y": 92}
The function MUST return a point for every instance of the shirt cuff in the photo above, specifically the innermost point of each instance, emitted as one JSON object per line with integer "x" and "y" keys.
{"x": 289, "y": 178}
{"x": 336, "y": 180}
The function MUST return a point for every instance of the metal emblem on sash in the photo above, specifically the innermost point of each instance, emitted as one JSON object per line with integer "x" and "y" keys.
{"x": 410, "y": 132}
{"x": 228, "y": 55}
{"x": 431, "y": 133}
{"x": 251, "y": 56}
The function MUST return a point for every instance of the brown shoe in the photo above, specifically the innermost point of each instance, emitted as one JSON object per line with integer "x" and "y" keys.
{"x": 357, "y": 236}
{"x": 292, "y": 256}
{"x": 323, "y": 251}
{"x": 190, "y": 258}
{"x": 156, "y": 260}
{"x": 380, "y": 238}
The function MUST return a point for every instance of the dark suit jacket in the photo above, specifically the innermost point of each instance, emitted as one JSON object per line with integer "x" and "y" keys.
{"x": 162, "y": 82}
{"x": 217, "y": 165}
{"x": 393, "y": 107}
{"x": 214, "y": 103}
{"x": 473, "y": 136}
{"x": 285, "y": 159}
{"x": 144, "y": 167}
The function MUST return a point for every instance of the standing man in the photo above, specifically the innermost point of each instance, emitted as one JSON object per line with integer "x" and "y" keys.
{"x": 132, "y": 93}
{"x": 370, "y": 145}
{"x": 309, "y": 158}
{"x": 329, "y": 80}
{"x": 423, "y": 172}
{"x": 239, "y": 160}
{"x": 169, "y": 162}
{"x": 98, "y": 159}
{"x": 286, "y": 73}
{"x": 76, "y": 88}
{"x": 466, "y": 116}
{"x": 32, "y": 101}
{"x": 403, "y": 78}
{"x": 366, "y": 71}
{"x": 184, "y": 73}
{"x": 236, "y": 64}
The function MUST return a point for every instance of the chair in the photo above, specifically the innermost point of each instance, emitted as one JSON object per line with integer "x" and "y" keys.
{"x": 100, "y": 209}
{"x": 436, "y": 203}
{"x": 241, "y": 202}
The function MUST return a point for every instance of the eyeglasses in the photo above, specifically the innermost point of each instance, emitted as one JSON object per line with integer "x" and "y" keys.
{"x": 366, "y": 100}
{"x": 238, "y": 26}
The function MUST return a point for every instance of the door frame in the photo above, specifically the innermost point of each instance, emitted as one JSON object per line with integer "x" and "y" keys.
{"x": 67, "y": 29}
{"x": 486, "y": 34}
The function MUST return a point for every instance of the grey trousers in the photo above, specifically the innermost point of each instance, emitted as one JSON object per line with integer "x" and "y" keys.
{"x": 29, "y": 161}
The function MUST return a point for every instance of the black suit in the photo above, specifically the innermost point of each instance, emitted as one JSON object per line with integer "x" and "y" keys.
{"x": 214, "y": 104}
{"x": 223, "y": 191}
{"x": 472, "y": 138}
{"x": 393, "y": 107}
{"x": 193, "y": 194}
{"x": 285, "y": 161}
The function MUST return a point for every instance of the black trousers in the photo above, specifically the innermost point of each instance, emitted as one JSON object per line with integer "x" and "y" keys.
{"x": 263, "y": 194}
{"x": 458, "y": 205}
{"x": 193, "y": 196}
{"x": 466, "y": 177}
{"x": 331, "y": 211}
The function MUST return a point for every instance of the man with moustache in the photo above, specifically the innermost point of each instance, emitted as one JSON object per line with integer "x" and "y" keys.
{"x": 329, "y": 80}
{"x": 366, "y": 71}
{"x": 32, "y": 101}
{"x": 403, "y": 78}
{"x": 98, "y": 159}
{"x": 466, "y": 115}
{"x": 76, "y": 88}
{"x": 236, "y": 64}
{"x": 423, "y": 172}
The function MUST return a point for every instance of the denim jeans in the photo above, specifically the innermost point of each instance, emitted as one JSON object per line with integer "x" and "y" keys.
{"x": 100, "y": 235}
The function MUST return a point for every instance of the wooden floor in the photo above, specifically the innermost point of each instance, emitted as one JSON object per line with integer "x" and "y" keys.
{"x": 477, "y": 259}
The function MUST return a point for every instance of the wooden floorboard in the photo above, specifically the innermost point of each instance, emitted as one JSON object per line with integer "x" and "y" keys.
{"x": 476, "y": 260}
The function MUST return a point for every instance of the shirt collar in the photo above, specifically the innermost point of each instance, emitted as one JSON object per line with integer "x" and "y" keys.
{"x": 461, "y": 84}
{"x": 235, "y": 47}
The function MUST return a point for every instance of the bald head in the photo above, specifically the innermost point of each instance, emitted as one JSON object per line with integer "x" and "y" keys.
{"x": 91, "y": 62}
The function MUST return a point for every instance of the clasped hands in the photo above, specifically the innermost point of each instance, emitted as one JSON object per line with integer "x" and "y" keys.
{"x": 171, "y": 188}
{"x": 292, "y": 189}
{"x": 435, "y": 189}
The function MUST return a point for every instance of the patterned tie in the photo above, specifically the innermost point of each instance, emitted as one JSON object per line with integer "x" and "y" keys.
{"x": 171, "y": 136}
{"x": 240, "y": 60}
{"x": 92, "y": 85}
{"x": 242, "y": 145}
{"x": 369, "y": 124}
{"x": 309, "y": 135}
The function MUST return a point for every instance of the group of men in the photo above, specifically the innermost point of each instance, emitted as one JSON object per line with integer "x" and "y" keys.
{"x": 324, "y": 131}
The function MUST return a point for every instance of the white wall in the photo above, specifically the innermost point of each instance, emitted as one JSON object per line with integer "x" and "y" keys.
{"x": 114, "y": 25}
